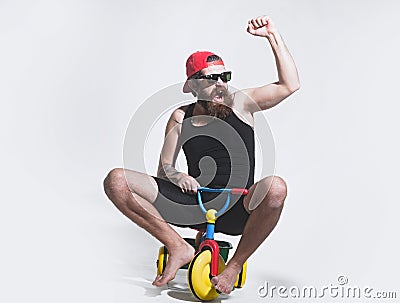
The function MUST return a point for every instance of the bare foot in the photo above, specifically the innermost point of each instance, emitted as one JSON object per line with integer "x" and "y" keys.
{"x": 225, "y": 281}
{"x": 178, "y": 256}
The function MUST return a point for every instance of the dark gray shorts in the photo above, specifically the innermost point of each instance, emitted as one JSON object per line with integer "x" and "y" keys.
{"x": 231, "y": 222}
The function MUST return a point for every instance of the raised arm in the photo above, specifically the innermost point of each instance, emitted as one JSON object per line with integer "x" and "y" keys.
{"x": 269, "y": 95}
{"x": 169, "y": 152}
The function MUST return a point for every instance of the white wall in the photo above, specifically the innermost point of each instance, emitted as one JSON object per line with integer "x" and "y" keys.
{"x": 72, "y": 73}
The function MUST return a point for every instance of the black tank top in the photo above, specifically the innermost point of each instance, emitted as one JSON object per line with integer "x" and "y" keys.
{"x": 220, "y": 153}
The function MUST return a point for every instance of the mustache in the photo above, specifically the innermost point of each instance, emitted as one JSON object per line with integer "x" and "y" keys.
{"x": 221, "y": 91}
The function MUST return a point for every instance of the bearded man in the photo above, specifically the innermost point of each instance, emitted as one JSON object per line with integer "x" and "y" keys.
{"x": 216, "y": 134}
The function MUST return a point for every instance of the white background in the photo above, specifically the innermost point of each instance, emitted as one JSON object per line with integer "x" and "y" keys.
{"x": 72, "y": 73}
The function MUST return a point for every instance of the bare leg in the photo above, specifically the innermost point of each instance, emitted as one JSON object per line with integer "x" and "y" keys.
{"x": 133, "y": 194}
{"x": 197, "y": 240}
{"x": 261, "y": 222}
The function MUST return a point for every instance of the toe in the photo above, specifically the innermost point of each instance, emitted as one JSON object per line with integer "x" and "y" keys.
{"x": 164, "y": 279}
{"x": 156, "y": 279}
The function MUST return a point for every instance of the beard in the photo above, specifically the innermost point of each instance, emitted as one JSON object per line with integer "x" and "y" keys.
{"x": 216, "y": 109}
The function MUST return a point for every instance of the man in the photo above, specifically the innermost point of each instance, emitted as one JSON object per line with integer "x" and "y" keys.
{"x": 137, "y": 195}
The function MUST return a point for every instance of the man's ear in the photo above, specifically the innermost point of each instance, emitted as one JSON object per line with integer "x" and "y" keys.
{"x": 192, "y": 83}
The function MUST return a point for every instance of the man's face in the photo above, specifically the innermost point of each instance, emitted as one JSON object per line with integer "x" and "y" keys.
{"x": 213, "y": 95}
{"x": 210, "y": 90}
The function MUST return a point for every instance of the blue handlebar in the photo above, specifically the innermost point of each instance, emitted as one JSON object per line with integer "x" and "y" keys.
{"x": 214, "y": 190}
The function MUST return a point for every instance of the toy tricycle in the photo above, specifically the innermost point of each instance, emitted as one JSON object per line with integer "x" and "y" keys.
{"x": 211, "y": 254}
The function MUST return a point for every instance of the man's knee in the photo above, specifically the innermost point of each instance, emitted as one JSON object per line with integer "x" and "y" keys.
{"x": 277, "y": 192}
{"x": 115, "y": 182}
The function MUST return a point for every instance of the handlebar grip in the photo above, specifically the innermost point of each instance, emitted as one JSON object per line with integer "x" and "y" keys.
{"x": 240, "y": 191}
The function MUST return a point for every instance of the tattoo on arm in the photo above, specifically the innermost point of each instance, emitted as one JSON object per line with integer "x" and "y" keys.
{"x": 168, "y": 172}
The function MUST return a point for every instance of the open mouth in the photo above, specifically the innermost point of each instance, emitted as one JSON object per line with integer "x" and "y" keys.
{"x": 219, "y": 96}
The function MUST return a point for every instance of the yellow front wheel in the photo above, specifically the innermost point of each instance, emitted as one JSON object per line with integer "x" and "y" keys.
{"x": 199, "y": 275}
{"x": 241, "y": 278}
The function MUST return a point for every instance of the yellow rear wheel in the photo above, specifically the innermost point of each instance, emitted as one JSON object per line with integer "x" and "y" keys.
{"x": 162, "y": 260}
{"x": 199, "y": 275}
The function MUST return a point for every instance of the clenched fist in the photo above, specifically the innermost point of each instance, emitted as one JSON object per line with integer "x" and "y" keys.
{"x": 261, "y": 26}
{"x": 187, "y": 183}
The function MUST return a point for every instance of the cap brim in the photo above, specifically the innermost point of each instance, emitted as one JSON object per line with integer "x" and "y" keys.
{"x": 186, "y": 87}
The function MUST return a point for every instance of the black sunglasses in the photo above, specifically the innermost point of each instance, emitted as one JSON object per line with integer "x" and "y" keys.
{"x": 225, "y": 77}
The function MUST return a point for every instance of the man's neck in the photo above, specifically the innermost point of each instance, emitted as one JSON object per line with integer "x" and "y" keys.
{"x": 200, "y": 108}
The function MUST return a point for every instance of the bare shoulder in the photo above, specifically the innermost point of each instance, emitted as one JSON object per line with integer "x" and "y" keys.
{"x": 240, "y": 106}
{"x": 242, "y": 99}
{"x": 179, "y": 114}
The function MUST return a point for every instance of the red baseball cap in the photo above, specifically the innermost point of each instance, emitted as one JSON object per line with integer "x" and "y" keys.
{"x": 195, "y": 63}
